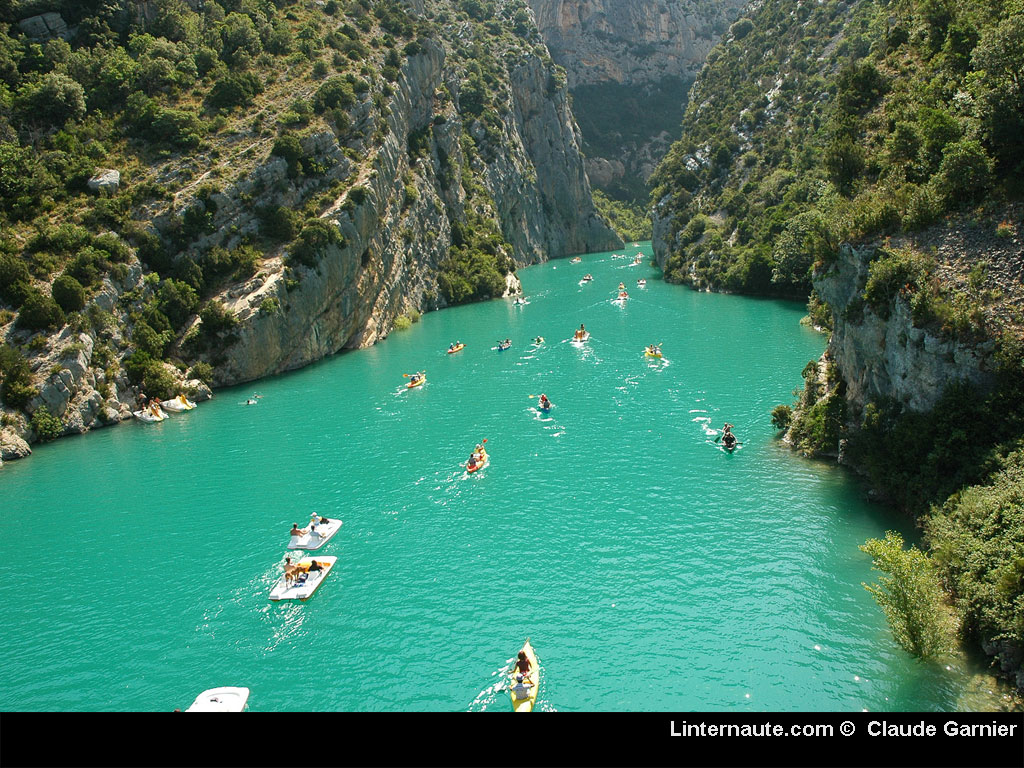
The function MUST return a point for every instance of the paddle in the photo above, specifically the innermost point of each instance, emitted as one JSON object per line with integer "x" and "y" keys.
{"x": 409, "y": 375}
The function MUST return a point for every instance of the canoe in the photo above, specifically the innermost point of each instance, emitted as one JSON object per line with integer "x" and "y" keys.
{"x": 485, "y": 460}
{"x": 226, "y": 699}
{"x": 315, "y": 540}
{"x": 456, "y": 348}
{"x": 418, "y": 382}
{"x": 306, "y": 583}
{"x": 525, "y": 704}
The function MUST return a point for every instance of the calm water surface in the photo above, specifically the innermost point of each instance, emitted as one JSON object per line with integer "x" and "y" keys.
{"x": 651, "y": 569}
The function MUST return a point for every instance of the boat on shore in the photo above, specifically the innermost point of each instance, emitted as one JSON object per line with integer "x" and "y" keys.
{"x": 525, "y": 700}
{"x": 178, "y": 404}
{"x": 151, "y": 414}
{"x": 226, "y": 699}
{"x": 304, "y": 583}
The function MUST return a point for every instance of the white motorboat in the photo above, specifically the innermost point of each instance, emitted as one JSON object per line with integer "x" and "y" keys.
{"x": 315, "y": 539}
{"x": 178, "y": 404}
{"x": 220, "y": 700}
{"x": 304, "y": 583}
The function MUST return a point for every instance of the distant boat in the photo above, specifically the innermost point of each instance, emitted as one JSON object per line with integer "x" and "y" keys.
{"x": 221, "y": 700}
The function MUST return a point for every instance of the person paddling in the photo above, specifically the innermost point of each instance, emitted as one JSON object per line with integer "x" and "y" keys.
{"x": 545, "y": 404}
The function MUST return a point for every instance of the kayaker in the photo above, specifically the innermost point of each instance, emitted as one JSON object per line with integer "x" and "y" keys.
{"x": 451, "y": 347}
{"x": 522, "y": 665}
{"x": 521, "y": 690}
{"x": 544, "y": 402}
{"x": 622, "y": 286}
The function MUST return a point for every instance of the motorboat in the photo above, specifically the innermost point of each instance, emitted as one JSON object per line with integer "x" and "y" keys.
{"x": 221, "y": 700}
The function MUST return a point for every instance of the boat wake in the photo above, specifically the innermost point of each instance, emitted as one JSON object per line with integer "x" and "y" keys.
{"x": 495, "y": 693}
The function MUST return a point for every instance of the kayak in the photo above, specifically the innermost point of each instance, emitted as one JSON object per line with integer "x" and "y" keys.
{"x": 147, "y": 415}
{"x": 642, "y": 283}
{"x": 503, "y": 347}
{"x": 416, "y": 383}
{"x": 484, "y": 461}
{"x": 527, "y": 703}
{"x": 227, "y": 699}
{"x": 456, "y": 348}
{"x": 316, "y": 539}
{"x": 306, "y": 583}
{"x": 648, "y": 353}
{"x": 539, "y": 340}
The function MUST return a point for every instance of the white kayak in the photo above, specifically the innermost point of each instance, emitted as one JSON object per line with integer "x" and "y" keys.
{"x": 178, "y": 404}
{"x": 147, "y": 415}
{"x": 316, "y": 539}
{"x": 220, "y": 700}
{"x": 306, "y": 583}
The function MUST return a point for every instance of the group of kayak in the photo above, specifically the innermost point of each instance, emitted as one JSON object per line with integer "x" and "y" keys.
{"x": 156, "y": 409}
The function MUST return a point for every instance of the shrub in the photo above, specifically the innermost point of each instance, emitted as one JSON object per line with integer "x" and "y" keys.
{"x": 68, "y": 293}
{"x": 782, "y": 416}
{"x": 313, "y": 240}
{"x": 203, "y": 372}
{"x": 910, "y": 595}
{"x": 39, "y": 312}
{"x": 16, "y": 377}
{"x": 46, "y": 425}
{"x": 15, "y": 280}
{"x": 333, "y": 93}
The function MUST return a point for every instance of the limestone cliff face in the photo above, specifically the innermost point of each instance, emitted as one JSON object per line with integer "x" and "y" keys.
{"x": 881, "y": 358}
{"x": 388, "y": 262}
{"x": 629, "y": 64}
{"x": 396, "y": 212}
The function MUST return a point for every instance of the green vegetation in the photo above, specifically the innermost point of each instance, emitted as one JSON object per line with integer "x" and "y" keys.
{"x": 818, "y": 123}
{"x": 45, "y": 424}
{"x": 977, "y": 539}
{"x": 910, "y": 596}
{"x": 630, "y": 221}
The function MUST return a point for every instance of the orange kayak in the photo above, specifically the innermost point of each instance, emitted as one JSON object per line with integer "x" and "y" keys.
{"x": 456, "y": 348}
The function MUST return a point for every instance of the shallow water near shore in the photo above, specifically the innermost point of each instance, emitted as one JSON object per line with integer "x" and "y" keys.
{"x": 651, "y": 569}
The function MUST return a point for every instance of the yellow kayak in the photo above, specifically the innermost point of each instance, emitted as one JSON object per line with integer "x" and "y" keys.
{"x": 649, "y": 353}
{"x": 531, "y": 682}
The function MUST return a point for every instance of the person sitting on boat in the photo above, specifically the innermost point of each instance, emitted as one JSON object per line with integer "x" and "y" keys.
{"x": 290, "y": 571}
{"x": 521, "y": 690}
{"x": 581, "y": 332}
{"x": 522, "y": 664}
{"x": 315, "y": 567}
{"x": 622, "y": 286}
{"x": 544, "y": 402}
{"x": 296, "y": 531}
{"x": 414, "y": 377}
{"x": 451, "y": 347}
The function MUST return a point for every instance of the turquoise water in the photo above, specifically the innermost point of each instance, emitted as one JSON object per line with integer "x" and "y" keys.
{"x": 652, "y": 570}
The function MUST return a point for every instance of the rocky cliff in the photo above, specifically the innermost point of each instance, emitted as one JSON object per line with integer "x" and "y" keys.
{"x": 425, "y": 169}
{"x": 629, "y": 64}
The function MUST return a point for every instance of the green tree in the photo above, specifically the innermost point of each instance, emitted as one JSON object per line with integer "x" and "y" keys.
{"x": 54, "y": 99}
{"x": 910, "y": 596}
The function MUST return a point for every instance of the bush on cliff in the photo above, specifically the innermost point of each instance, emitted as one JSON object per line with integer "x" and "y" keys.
{"x": 45, "y": 424}
{"x": 15, "y": 377}
{"x": 977, "y": 539}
